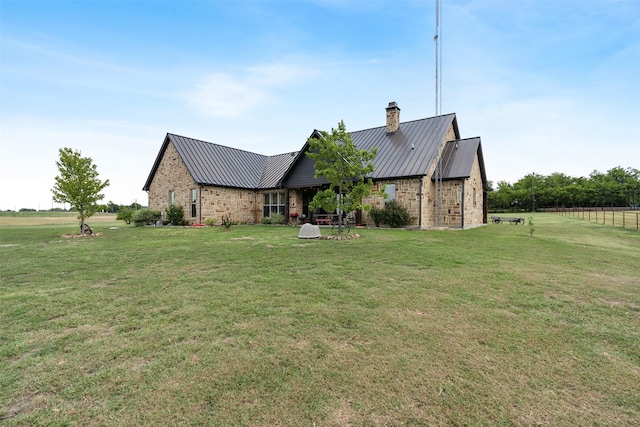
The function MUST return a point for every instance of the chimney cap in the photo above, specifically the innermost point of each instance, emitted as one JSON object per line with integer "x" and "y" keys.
{"x": 393, "y": 104}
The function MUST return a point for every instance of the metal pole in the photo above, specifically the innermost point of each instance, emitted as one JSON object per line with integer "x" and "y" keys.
{"x": 533, "y": 192}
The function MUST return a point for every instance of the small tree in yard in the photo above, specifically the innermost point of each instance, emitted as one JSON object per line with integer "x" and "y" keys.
{"x": 78, "y": 184}
{"x": 345, "y": 167}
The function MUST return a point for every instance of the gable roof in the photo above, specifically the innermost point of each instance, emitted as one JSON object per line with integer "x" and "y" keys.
{"x": 410, "y": 151}
{"x": 213, "y": 164}
{"x": 458, "y": 157}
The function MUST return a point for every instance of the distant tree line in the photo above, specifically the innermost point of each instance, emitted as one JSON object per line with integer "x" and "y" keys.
{"x": 114, "y": 208}
{"x": 109, "y": 208}
{"x": 617, "y": 187}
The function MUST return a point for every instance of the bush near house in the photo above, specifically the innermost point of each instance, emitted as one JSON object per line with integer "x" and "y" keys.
{"x": 377, "y": 215}
{"x": 175, "y": 215}
{"x": 145, "y": 216}
{"x": 396, "y": 214}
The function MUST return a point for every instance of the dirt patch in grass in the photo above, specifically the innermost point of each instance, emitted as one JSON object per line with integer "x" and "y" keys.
{"x": 75, "y": 236}
{"x": 340, "y": 237}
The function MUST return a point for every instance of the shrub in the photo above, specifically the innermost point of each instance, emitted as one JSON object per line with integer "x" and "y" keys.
{"x": 124, "y": 214}
{"x": 175, "y": 215}
{"x": 227, "y": 222}
{"x": 396, "y": 214}
{"x": 210, "y": 222}
{"x": 145, "y": 216}
{"x": 377, "y": 215}
{"x": 277, "y": 218}
{"x": 266, "y": 220}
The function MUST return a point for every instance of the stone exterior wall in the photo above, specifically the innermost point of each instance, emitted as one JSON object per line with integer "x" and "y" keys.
{"x": 429, "y": 191}
{"x": 243, "y": 205}
{"x": 295, "y": 204}
{"x": 171, "y": 175}
{"x": 407, "y": 193}
{"x": 473, "y": 197}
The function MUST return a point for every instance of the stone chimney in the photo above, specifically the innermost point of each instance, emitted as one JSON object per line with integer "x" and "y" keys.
{"x": 393, "y": 118}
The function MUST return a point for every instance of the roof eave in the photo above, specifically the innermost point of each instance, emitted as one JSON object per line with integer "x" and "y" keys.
{"x": 156, "y": 164}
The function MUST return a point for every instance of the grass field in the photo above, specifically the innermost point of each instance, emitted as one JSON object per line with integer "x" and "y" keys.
{"x": 182, "y": 326}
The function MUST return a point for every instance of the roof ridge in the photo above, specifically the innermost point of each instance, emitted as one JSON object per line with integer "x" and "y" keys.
{"x": 408, "y": 121}
{"x": 218, "y": 145}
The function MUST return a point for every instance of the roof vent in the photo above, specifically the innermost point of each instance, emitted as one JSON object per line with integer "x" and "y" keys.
{"x": 393, "y": 118}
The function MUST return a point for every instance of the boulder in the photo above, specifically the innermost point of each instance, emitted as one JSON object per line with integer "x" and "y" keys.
{"x": 309, "y": 231}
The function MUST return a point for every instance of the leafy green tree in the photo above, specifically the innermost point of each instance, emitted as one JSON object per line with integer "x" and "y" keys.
{"x": 125, "y": 214}
{"x": 78, "y": 184}
{"x": 345, "y": 167}
{"x": 502, "y": 198}
{"x": 112, "y": 207}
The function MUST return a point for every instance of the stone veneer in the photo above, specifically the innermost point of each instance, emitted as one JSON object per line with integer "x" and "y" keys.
{"x": 245, "y": 205}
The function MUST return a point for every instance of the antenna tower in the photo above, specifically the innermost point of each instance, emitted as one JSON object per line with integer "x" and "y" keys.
{"x": 437, "y": 39}
{"x": 438, "y": 170}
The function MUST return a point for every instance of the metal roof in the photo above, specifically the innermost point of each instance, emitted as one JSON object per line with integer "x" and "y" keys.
{"x": 410, "y": 151}
{"x": 213, "y": 164}
{"x": 276, "y": 166}
{"x": 458, "y": 157}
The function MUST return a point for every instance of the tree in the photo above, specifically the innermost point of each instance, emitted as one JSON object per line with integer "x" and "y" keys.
{"x": 78, "y": 184}
{"x": 125, "y": 213}
{"x": 345, "y": 167}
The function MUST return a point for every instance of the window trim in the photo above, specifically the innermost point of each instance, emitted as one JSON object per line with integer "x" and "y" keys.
{"x": 194, "y": 200}
{"x": 279, "y": 206}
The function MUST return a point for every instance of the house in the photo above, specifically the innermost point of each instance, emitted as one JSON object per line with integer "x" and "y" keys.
{"x": 424, "y": 164}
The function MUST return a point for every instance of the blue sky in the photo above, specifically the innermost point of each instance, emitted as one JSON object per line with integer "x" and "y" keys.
{"x": 549, "y": 86}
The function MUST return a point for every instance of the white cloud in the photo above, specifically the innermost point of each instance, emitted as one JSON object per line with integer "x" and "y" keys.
{"x": 224, "y": 95}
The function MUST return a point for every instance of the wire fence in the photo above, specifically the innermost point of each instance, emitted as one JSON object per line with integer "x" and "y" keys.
{"x": 613, "y": 216}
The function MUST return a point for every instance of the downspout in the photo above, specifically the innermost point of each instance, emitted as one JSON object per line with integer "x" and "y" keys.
{"x": 462, "y": 206}
{"x": 200, "y": 207}
{"x": 420, "y": 204}
{"x": 286, "y": 206}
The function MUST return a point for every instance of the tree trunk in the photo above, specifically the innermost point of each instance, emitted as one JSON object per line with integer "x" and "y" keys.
{"x": 339, "y": 210}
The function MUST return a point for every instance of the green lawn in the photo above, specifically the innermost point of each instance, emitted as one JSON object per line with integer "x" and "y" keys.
{"x": 197, "y": 326}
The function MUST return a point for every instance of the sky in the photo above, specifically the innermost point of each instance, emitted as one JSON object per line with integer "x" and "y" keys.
{"x": 548, "y": 85}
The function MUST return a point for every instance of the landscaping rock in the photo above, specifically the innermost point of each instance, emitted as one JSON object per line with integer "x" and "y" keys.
{"x": 309, "y": 231}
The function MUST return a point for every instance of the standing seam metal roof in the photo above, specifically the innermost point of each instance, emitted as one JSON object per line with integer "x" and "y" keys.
{"x": 213, "y": 164}
{"x": 458, "y": 158}
{"x": 408, "y": 152}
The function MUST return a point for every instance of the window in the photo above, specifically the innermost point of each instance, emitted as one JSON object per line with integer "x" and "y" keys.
{"x": 390, "y": 190}
{"x": 272, "y": 202}
{"x": 172, "y": 198}
{"x": 193, "y": 203}
{"x": 474, "y": 196}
